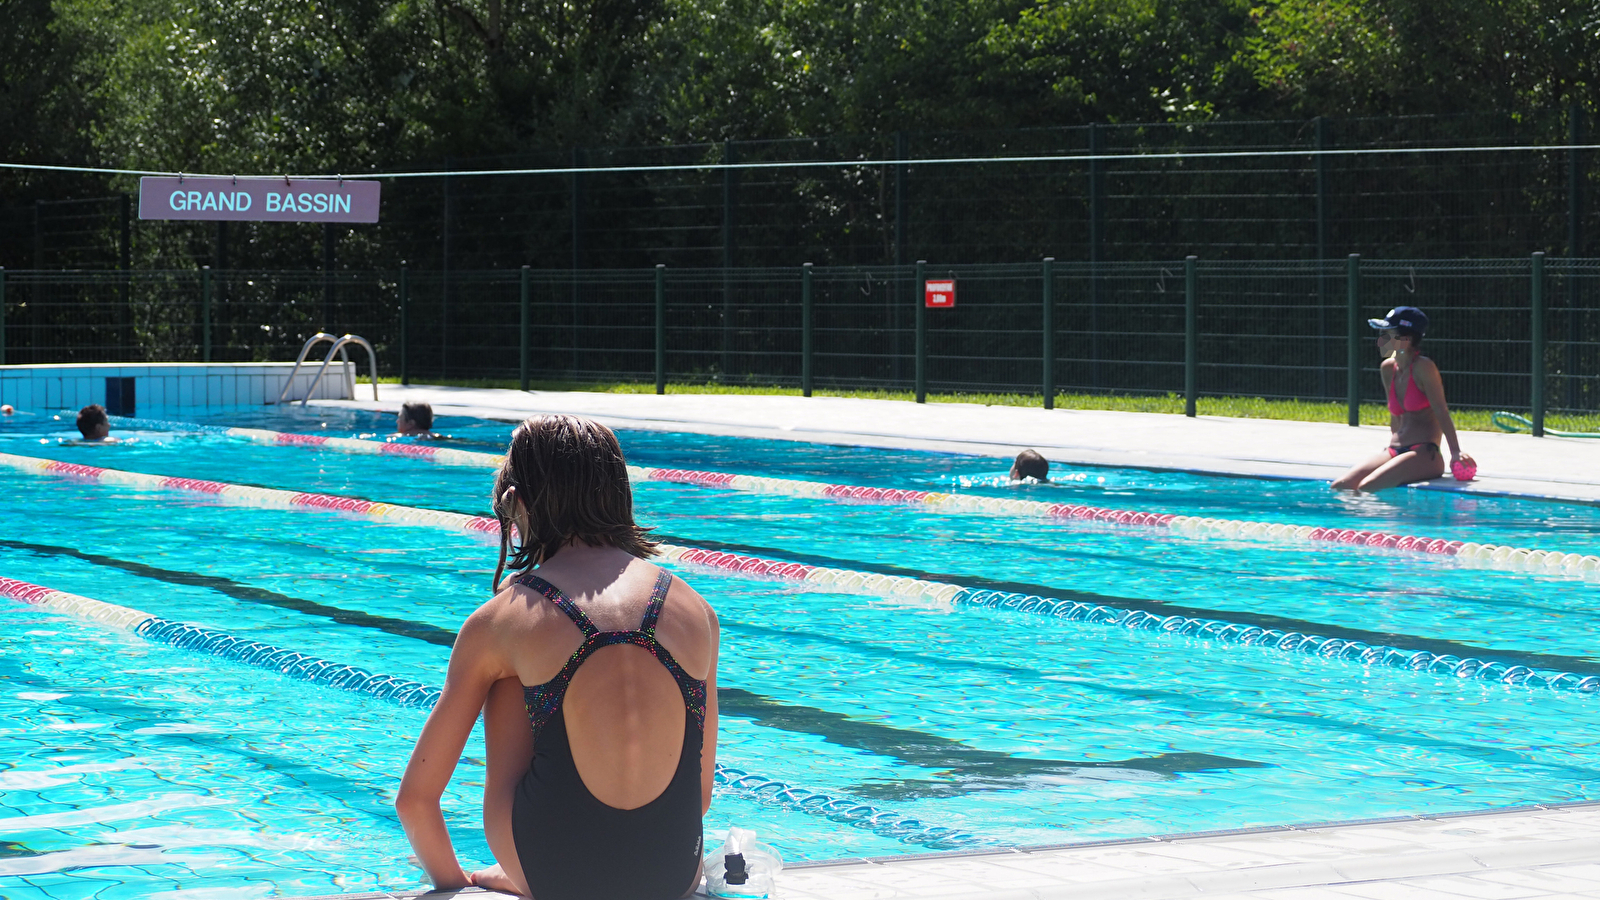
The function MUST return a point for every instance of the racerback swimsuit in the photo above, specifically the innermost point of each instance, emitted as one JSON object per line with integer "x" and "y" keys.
{"x": 574, "y": 847}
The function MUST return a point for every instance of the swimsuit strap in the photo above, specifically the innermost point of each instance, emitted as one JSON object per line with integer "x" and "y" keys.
{"x": 658, "y": 597}
{"x": 562, "y": 602}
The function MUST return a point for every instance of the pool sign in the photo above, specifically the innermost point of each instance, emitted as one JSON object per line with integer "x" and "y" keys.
{"x": 939, "y": 294}
{"x": 258, "y": 199}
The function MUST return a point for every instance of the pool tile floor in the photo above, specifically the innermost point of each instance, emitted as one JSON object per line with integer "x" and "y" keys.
{"x": 1529, "y": 853}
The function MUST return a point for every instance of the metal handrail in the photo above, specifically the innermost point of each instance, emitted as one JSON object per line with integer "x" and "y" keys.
{"x": 305, "y": 350}
{"x": 338, "y": 347}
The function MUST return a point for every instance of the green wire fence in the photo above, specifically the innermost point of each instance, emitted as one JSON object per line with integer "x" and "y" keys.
{"x": 1518, "y": 334}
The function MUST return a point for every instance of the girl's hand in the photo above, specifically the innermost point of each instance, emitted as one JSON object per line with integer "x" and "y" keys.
{"x": 1464, "y": 458}
{"x": 494, "y": 878}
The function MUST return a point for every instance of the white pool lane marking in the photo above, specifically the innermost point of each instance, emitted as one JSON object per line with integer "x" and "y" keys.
{"x": 848, "y": 581}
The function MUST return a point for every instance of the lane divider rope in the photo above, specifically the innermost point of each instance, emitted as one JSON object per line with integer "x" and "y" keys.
{"x": 1483, "y": 556}
{"x": 850, "y": 581}
{"x": 356, "y": 446}
{"x": 414, "y": 694}
{"x": 1477, "y": 555}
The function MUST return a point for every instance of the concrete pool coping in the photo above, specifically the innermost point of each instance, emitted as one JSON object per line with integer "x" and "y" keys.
{"x": 1533, "y": 852}
{"x": 1513, "y": 465}
{"x": 1524, "y": 852}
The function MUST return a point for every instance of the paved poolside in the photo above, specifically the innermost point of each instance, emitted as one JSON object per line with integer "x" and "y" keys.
{"x": 1529, "y": 852}
{"x": 1509, "y": 464}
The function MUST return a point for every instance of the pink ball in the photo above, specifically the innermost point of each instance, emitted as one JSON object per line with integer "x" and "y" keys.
{"x": 1463, "y": 471}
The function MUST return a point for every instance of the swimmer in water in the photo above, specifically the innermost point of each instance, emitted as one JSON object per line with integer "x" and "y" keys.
{"x": 93, "y": 424}
{"x": 415, "y": 420}
{"x": 1418, "y": 415}
{"x": 7, "y": 409}
{"x": 1030, "y": 464}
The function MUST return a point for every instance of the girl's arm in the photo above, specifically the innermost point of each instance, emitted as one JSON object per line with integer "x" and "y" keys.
{"x": 474, "y": 667}
{"x": 708, "y": 751}
{"x": 1427, "y": 376}
{"x": 1386, "y": 370}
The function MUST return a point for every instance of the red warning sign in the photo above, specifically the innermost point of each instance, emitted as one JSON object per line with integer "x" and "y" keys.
{"x": 939, "y": 294}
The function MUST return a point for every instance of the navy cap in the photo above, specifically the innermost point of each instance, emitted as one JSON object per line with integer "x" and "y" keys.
{"x": 1403, "y": 318}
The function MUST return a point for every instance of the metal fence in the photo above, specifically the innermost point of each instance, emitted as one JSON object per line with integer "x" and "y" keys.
{"x": 1404, "y": 187}
{"x": 1520, "y": 334}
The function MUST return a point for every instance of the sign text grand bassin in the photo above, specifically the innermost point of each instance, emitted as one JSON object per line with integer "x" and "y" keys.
{"x": 200, "y": 198}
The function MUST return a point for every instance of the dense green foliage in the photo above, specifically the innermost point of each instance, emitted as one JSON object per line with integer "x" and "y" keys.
{"x": 312, "y": 85}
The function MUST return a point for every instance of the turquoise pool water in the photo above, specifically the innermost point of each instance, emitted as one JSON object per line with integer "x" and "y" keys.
{"x": 133, "y": 769}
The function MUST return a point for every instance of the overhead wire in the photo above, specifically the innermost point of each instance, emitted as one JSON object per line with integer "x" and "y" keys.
{"x": 834, "y": 163}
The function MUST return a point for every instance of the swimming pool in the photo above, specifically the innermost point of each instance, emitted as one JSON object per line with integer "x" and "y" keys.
{"x": 138, "y": 769}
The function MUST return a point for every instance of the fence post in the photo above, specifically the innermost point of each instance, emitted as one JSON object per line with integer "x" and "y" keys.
{"x": 1538, "y": 344}
{"x": 806, "y": 321}
{"x": 1191, "y": 335}
{"x": 1096, "y": 237}
{"x": 661, "y": 328}
{"x": 205, "y": 312}
{"x": 1352, "y": 362}
{"x": 526, "y": 323}
{"x": 1049, "y": 329}
{"x": 405, "y": 326}
{"x": 1321, "y": 136}
{"x": 920, "y": 286}
{"x": 1576, "y": 178}
{"x": 2, "y": 315}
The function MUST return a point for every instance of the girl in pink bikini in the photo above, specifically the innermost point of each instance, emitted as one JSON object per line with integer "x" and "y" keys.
{"x": 1418, "y": 415}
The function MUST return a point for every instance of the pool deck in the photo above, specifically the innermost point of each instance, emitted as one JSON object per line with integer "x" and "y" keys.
{"x": 1534, "y": 852}
{"x": 1509, "y": 464}
{"x": 1528, "y": 852}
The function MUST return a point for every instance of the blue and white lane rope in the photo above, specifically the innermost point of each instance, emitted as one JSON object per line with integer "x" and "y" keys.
{"x": 416, "y": 695}
{"x": 847, "y": 581}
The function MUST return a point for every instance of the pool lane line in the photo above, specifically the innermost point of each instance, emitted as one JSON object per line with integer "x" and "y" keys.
{"x": 734, "y": 705}
{"x": 358, "y": 446}
{"x": 300, "y": 666}
{"x": 946, "y": 753}
{"x": 414, "y": 694}
{"x": 1488, "y": 556}
{"x": 229, "y": 588}
{"x": 1286, "y": 624}
{"x": 1221, "y": 631}
{"x": 849, "y": 581}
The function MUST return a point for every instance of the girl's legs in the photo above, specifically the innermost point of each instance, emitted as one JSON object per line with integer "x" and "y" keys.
{"x": 1413, "y": 465}
{"x": 1351, "y": 480}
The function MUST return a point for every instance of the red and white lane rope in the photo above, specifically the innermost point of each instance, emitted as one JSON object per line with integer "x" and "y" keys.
{"x": 1478, "y": 555}
{"x": 1490, "y": 556}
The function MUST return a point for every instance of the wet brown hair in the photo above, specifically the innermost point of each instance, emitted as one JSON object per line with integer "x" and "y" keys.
{"x": 570, "y": 475}
{"x": 91, "y": 417}
{"x": 420, "y": 414}
{"x": 1030, "y": 464}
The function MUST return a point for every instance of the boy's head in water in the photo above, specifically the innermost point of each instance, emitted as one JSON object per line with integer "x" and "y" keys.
{"x": 1030, "y": 464}
{"x": 414, "y": 418}
{"x": 92, "y": 422}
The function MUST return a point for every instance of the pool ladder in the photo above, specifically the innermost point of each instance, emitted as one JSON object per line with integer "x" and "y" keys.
{"x": 338, "y": 348}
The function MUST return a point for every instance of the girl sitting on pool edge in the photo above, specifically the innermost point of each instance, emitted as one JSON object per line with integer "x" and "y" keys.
{"x": 1418, "y": 415}
{"x": 596, "y": 675}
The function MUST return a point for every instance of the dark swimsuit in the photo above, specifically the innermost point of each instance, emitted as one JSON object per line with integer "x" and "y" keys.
{"x": 572, "y": 846}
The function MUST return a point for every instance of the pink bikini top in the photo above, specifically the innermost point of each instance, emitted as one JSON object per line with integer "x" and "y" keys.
{"x": 1415, "y": 398}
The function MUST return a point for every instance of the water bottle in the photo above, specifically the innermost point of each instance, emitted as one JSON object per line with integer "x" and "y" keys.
{"x": 743, "y": 869}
